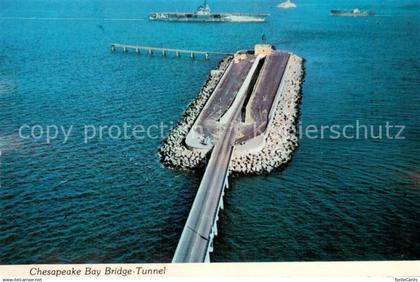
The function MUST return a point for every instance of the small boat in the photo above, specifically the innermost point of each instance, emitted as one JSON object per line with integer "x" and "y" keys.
{"x": 286, "y": 5}
{"x": 203, "y": 14}
{"x": 352, "y": 13}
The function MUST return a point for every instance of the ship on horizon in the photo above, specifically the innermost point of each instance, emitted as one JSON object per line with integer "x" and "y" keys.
{"x": 204, "y": 14}
{"x": 353, "y": 13}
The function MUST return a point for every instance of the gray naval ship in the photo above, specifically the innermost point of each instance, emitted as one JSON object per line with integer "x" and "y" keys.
{"x": 352, "y": 13}
{"x": 203, "y": 14}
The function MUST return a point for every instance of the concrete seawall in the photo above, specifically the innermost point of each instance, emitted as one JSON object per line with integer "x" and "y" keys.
{"x": 270, "y": 150}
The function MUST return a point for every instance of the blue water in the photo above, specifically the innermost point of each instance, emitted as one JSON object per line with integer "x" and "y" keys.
{"x": 112, "y": 200}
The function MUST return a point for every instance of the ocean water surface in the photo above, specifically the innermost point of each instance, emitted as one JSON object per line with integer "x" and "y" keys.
{"x": 112, "y": 200}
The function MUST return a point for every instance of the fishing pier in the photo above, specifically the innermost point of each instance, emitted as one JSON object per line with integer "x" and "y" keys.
{"x": 165, "y": 51}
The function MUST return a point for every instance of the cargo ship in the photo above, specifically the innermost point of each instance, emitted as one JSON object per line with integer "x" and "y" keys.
{"x": 204, "y": 14}
{"x": 352, "y": 13}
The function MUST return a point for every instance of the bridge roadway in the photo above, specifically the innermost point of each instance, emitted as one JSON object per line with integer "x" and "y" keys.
{"x": 225, "y": 111}
{"x": 197, "y": 237}
{"x": 198, "y": 233}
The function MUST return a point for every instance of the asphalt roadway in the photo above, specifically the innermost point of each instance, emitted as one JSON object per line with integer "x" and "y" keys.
{"x": 207, "y": 122}
{"x": 262, "y": 98}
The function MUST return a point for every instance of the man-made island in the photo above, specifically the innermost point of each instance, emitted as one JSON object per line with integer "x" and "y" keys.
{"x": 243, "y": 121}
{"x": 267, "y": 111}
